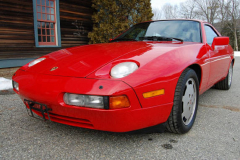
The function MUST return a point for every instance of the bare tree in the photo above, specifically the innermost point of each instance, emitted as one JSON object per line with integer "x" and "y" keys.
{"x": 233, "y": 11}
{"x": 170, "y": 11}
{"x": 223, "y": 13}
{"x": 188, "y": 9}
{"x": 157, "y": 14}
{"x": 229, "y": 16}
{"x": 207, "y": 9}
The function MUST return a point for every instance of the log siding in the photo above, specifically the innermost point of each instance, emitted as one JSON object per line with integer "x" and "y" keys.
{"x": 17, "y": 34}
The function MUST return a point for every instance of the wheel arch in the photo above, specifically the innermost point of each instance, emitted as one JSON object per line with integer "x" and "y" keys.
{"x": 233, "y": 61}
{"x": 198, "y": 71}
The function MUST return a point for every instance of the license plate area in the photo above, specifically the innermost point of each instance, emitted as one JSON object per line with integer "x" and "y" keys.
{"x": 42, "y": 109}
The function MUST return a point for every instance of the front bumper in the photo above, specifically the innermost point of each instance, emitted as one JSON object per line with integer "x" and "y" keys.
{"x": 49, "y": 90}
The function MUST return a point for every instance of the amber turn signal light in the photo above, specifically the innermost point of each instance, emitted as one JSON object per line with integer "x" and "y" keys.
{"x": 118, "y": 102}
{"x": 153, "y": 93}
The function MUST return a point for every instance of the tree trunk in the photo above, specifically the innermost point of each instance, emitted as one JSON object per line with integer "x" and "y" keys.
{"x": 235, "y": 38}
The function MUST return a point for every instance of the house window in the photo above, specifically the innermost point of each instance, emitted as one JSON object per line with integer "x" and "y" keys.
{"x": 46, "y": 23}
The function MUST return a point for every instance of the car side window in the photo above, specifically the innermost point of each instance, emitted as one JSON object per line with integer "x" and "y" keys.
{"x": 210, "y": 34}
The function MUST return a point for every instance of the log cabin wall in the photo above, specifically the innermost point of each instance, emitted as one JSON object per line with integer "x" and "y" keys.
{"x": 17, "y": 38}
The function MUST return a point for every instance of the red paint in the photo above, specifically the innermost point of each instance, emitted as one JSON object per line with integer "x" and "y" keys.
{"x": 83, "y": 69}
{"x": 220, "y": 41}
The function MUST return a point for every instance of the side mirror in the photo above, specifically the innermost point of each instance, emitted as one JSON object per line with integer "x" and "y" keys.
{"x": 110, "y": 40}
{"x": 220, "y": 42}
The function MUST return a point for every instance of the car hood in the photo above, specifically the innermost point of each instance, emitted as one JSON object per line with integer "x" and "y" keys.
{"x": 83, "y": 60}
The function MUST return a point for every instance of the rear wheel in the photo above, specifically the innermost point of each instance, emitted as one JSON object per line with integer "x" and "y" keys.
{"x": 227, "y": 82}
{"x": 185, "y": 104}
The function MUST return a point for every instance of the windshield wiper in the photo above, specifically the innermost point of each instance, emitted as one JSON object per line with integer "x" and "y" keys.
{"x": 122, "y": 39}
{"x": 160, "y": 38}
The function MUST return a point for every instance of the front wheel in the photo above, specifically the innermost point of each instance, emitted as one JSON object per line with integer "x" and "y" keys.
{"x": 185, "y": 103}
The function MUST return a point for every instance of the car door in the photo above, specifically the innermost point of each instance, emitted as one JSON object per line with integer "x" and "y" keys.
{"x": 219, "y": 59}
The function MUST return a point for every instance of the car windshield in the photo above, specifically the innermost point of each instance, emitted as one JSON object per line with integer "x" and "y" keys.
{"x": 178, "y": 30}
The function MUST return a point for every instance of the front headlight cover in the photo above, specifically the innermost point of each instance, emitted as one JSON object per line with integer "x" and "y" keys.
{"x": 15, "y": 85}
{"x": 84, "y": 100}
{"x": 36, "y": 61}
{"x": 123, "y": 69}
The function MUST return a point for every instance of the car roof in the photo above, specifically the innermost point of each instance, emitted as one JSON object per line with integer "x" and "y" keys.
{"x": 178, "y": 20}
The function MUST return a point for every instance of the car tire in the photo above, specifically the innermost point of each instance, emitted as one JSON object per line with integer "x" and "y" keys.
{"x": 185, "y": 103}
{"x": 227, "y": 82}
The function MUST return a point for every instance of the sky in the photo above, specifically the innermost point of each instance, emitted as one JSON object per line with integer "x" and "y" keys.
{"x": 160, "y": 3}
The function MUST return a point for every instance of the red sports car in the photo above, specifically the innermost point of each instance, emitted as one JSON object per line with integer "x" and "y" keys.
{"x": 151, "y": 74}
